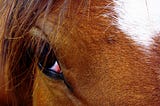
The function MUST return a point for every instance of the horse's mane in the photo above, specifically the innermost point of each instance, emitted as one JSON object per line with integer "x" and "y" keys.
{"x": 19, "y": 48}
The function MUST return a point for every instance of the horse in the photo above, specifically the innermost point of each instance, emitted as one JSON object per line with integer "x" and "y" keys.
{"x": 80, "y": 52}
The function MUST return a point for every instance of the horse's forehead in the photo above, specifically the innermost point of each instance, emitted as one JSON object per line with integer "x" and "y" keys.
{"x": 138, "y": 19}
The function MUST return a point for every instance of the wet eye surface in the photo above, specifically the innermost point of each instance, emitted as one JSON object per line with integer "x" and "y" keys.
{"x": 53, "y": 72}
{"x": 47, "y": 57}
{"x": 49, "y": 65}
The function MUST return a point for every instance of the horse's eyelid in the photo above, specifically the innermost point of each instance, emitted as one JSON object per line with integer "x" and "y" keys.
{"x": 55, "y": 75}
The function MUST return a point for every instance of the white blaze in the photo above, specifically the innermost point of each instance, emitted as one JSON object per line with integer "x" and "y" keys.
{"x": 139, "y": 19}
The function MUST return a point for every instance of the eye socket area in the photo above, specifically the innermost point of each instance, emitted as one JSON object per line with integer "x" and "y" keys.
{"x": 48, "y": 62}
{"x": 49, "y": 65}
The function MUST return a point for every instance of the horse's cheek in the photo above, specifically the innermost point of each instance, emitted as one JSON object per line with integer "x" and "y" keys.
{"x": 49, "y": 92}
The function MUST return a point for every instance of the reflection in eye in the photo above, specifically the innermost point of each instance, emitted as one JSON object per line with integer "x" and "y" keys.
{"x": 49, "y": 65}
{"x": 52, "y": 73}
{"x": 56, "y": 67}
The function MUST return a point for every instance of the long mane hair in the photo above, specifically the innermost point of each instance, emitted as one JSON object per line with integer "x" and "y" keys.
{"x": 19, "y": 49}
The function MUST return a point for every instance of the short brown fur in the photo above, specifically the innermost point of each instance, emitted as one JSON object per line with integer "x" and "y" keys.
{"x": 103, "y": 67}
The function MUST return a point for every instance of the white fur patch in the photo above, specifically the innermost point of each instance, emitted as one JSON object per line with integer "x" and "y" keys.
{"x": 139, "y": 19}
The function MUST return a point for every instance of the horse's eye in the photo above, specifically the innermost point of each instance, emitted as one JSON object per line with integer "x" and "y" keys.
{"x": 49, "y": 65}
{"x": 53, "y": 72}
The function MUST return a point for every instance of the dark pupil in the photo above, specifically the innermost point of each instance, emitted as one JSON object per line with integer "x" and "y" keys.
{"x": 47, "y": 57}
